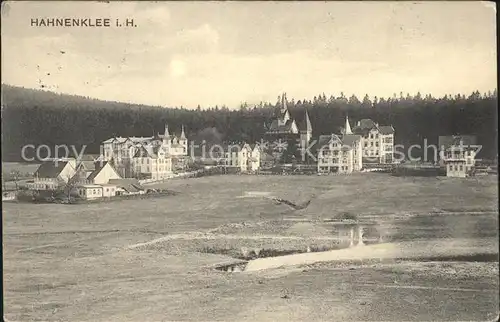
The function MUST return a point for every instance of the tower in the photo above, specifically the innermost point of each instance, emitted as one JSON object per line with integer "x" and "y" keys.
{"x": 284, "y": 114}
{"x": 306, "y": 133}
{"x": 166, "y": 137}
{"x": 347, "y": 129}
{"x": 183, "y": 140}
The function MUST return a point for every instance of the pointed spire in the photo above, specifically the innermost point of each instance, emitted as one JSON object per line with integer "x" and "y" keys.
{"x": 308, "y": 123}
{"x": 166, "y": 131}
{"x": 183, "y": 135}
{"x": 347, "y": 126}
{"x": 283, "y": 98}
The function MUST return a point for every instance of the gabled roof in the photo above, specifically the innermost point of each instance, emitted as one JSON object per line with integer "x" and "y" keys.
{"x": 254, "y": 146}
{"x": 129, "y": 184}
{"x": 445, "y": 141}
{"x": 50, "y": 169}
{"x": 347, "y": 141}
{"x": 140, "y": 139}
{"x": 386, "y": 129}
{"x": 367, "y": 124}
{"x": 89, "y": 157}
{"x": 326, "y": 139}
{"x": 88, "y": 165}
{"x": 282, "y": 128}
{"x": 98, "y": 169}
{"x": 111, "y": 140}
{"x": 302, "y": 120}
{"x": 350, "y": 139}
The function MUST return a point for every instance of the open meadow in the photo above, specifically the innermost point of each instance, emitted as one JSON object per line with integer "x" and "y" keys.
{"x": 155, "y": 259}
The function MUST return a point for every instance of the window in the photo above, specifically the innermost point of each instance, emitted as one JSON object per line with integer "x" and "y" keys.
{"x": 371, "y": 143}
{"x": 461, "y": 168}
{"x": 107, "y": 189}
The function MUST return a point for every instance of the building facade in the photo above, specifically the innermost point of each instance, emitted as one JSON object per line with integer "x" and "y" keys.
{"x": 53, "y": 174}
{"x": 152, "y": 162}
{"x": 245, "y": 157}
{"x": 152, "y": 157}
{"x": 458, "y": 155}
{"x": 377, "y": 141}
{"x": 339, "y": 153}
{"x": 287, "y": 128}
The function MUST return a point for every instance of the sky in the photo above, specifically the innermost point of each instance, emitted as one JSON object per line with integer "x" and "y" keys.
{"x": 226, "y": 53}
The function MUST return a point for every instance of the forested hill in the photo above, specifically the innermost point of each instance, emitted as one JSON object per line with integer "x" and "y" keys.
{"x": 39, "y": 117}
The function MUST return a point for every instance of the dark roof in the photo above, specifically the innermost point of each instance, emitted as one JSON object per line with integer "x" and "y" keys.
{"x": 364, "y": 126}
{"x": 98, "y": 169}
{"x": 128, "y": 184}
{"x": 367, "y": 124}
{"x": 88, "y": 165}
{"x": 325, "y": 139}
{"x": 302, "y": 120}
{"x": 350, "y": 139}
{"x": 89, "y": 157}
{"x": 445, "y": 141}
{"x": 50, "y": 169}
{"x": 147, "y": 151}
{"x": 254, "y": 145}
{"x": 386, "y": 129}
{"x": 276, "y": 127}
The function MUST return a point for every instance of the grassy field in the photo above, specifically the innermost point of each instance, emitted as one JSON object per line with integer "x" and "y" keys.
{"x": 89, "y": 261}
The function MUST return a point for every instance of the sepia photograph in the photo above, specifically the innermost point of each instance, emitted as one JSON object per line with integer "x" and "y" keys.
{"x": 249, "y": 161}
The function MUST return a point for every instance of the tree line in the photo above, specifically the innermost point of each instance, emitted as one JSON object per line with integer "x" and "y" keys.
{"x": 40, "y": 117}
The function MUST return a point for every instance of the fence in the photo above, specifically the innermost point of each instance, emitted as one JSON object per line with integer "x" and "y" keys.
{"x": 172, "y": 176}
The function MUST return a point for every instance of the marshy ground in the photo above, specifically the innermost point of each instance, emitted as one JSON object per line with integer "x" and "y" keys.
{"x": 155, "y": 259}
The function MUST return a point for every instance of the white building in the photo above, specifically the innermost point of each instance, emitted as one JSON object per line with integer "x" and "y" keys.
{"x": 152, "y": 162}
{"x": 377, "y": 141}
{"x": 339, "y": 154}
{"x": 103, "y": 172}
{"x": 89, "y": 191}
{"x": 53, "y": 174}
{"x": 245, "y": 157}
{"x": 458, "y": 154}
{"x": 123, "y": 152}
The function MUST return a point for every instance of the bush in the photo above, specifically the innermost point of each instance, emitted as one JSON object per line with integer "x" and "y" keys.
{"x": 347, "y": 216}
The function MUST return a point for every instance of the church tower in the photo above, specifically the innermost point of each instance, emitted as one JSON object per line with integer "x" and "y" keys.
{"x": 284, "y": 114}
{"x": 166, "y": 137}
{"x": 347, "y": 129}
{"x": 183, "y": 141}
{"x": 306, "y": 133}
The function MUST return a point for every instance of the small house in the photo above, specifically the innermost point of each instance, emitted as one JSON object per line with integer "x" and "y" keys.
{"x": 89, "y": 191}
{"x": 127, "y": 186}
{"x": 53, "y": 174}
{"x": 458, "y": 154}
{"x": 103, "y": 172}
